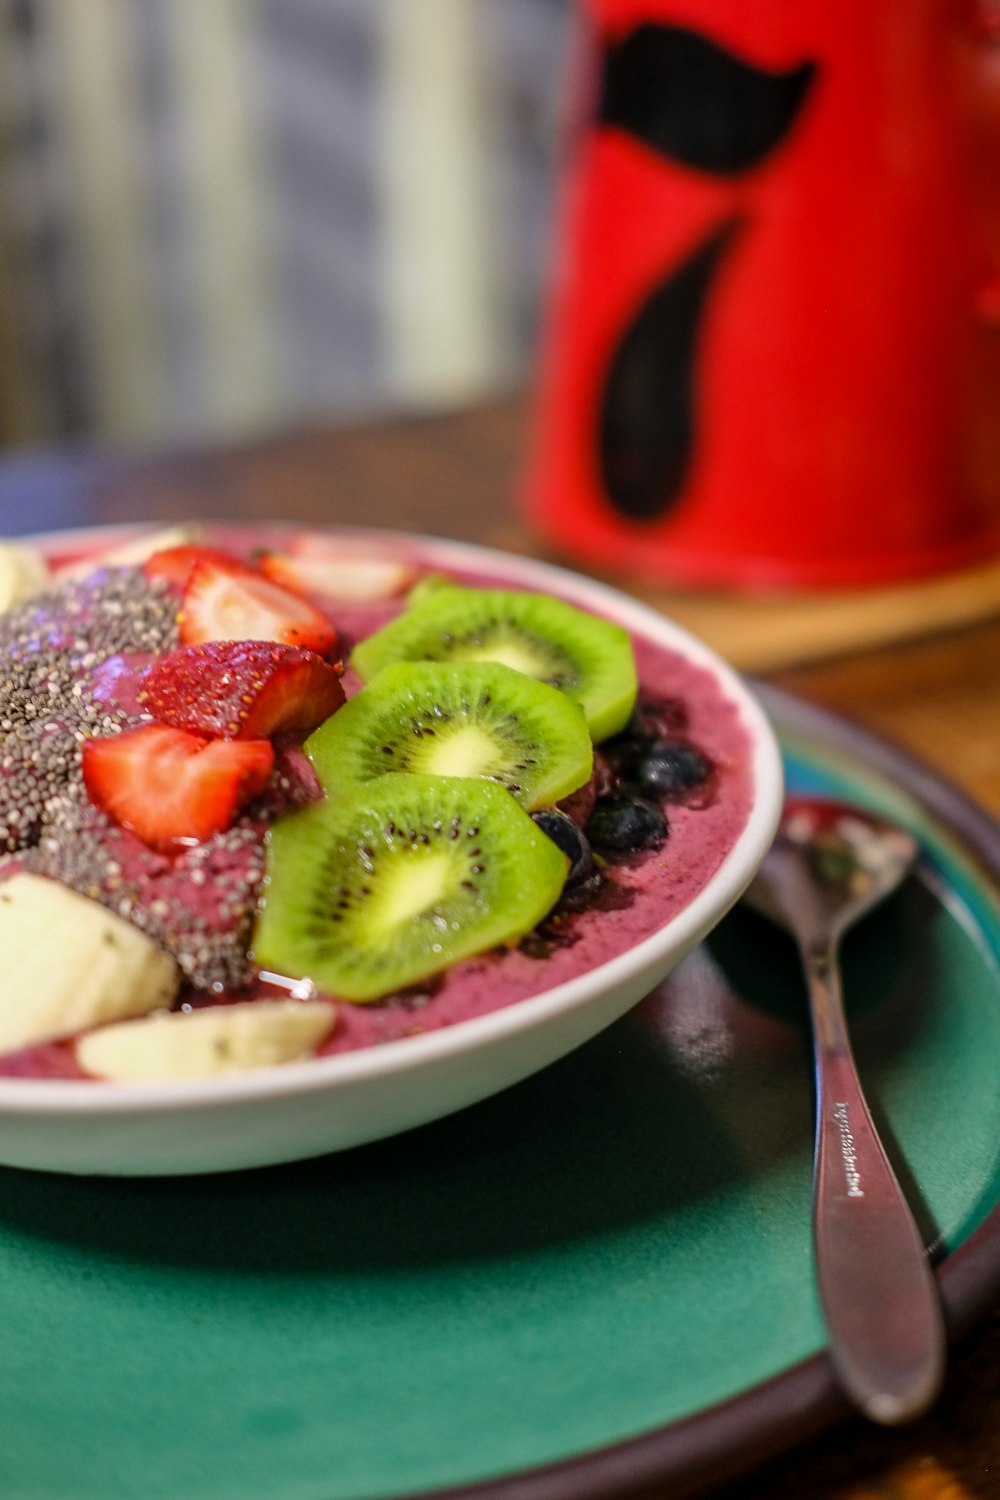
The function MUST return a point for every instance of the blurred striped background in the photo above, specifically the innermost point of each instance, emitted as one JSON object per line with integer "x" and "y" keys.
{"x": 224, "y": 216}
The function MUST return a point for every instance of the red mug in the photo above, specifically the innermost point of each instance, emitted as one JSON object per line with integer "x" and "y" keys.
{"x": 773, "y": 345}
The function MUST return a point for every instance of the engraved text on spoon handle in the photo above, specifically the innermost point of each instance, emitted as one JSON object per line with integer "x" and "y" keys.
{"x": 879, "y": 1299}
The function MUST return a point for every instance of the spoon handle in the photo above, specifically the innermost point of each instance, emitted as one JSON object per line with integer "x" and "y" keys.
{"x": 876, "y": 1286}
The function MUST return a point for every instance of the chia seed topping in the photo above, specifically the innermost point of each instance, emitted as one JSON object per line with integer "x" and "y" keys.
{"x": 198, "y": 903}
{"x": 51, "y": 701}
{"x": 50, "y": 646}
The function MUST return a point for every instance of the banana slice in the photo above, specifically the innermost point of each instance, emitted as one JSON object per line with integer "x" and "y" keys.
{"x": 131, "y": 554}
{"x": 23, "y": 573}
{"x": 347, "y": 578}
{"x": 70, "y": 964}
{"x": 206, "y": 1043}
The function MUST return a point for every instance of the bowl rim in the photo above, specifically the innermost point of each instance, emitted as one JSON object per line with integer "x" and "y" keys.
{"x": 93, "y": 1098}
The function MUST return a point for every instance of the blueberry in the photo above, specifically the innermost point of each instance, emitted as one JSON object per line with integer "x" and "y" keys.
{"x": 624, "y": 823}
{"x": 672, "y": 766}
{"x": 652, "y": 720}
{"x": 571, "y": 839}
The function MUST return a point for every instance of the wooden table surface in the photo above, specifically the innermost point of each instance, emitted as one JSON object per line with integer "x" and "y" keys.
{"x": 456, "y": 475}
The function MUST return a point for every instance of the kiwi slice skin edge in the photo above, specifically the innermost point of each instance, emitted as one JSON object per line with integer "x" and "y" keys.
{"x": 588, "y": 657}
{"x": 389, "y": 886}
{"x": 458, "y": 719}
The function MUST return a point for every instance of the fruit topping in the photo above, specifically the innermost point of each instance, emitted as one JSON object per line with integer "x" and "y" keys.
{"x": 387, "y": 887}
{"x": 672, "y": 767}
{"x": 588, "y": 658}
{"x": 654, "y": 755}
{"x": 205, "y": 1043}
{"x": 339, "y": 574}
{"x": 132, "y": 553}
{"x": 241, "y": 690}
{"x": 571, "y": 839}
{"x": 169, "y": 787}
{"x": 623, "y": 824}
{"x": 23, "y": 573}
{"x": 226, "y": 601}
{"x": 174, "y": 565}
{"x": 70, "y": 964}
{"x": 458, "y": 719}
{"x": 430, "y": 583}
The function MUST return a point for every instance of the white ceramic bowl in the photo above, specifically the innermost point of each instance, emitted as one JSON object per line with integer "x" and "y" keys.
{"x": 330, "y": 1103}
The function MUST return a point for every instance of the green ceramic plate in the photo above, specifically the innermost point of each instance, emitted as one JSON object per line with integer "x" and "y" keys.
{"x": 600, "y": 1278}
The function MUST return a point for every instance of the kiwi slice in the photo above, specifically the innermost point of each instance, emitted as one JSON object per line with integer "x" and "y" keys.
{"x": 458, "y": 719}
{"x": 587, "y": 657}
{"x": 397, "y": 881}
{"x": 431, "y": 583}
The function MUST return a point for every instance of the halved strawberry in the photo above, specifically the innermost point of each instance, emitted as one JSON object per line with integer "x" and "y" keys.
{"x": 350, "y": 577}
{"x": 241, "y": 690}
{"x": 176, "y": 564}
{"x": 234, "y": 603}
{"x": 169, "y": 787}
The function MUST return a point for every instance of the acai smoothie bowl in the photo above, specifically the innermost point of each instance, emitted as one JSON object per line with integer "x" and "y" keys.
{"x": 308, "y": 838}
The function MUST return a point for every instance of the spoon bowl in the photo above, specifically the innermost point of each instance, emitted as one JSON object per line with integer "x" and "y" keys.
{"x": 828, "y": 867}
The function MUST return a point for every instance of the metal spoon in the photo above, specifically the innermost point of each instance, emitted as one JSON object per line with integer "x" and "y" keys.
{"x": 830, "y": 864}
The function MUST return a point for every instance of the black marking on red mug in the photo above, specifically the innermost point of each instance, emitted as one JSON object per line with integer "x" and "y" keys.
{"x": 692, "y": 101}
{"x": 646, "y": 434}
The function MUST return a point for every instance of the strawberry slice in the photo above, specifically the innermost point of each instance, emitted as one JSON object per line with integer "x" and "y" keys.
{"x": 176, "y": 564}
{"x": 171, "y": 788}
{"x": 234, "y": 603}
{"x": 241, "y": 690}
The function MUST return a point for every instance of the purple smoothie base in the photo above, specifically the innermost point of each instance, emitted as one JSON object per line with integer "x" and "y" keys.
{"x": 641, "y": 891}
